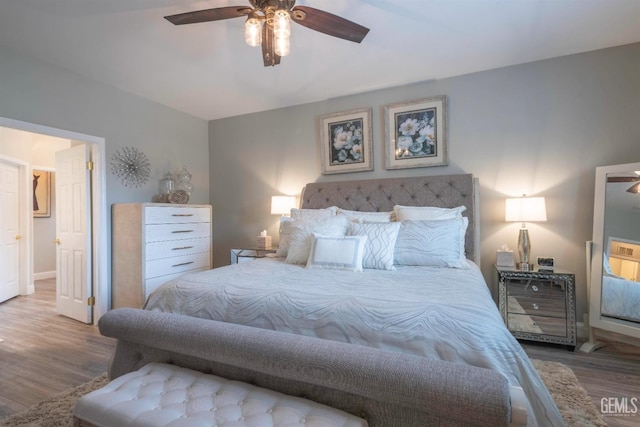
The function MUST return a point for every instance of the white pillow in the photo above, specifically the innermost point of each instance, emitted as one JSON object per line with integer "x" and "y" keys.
{"x": 301, "y": 235}
{"x": 312, "y": 213}
{"x": 381, "y": 241}
{"x": 337, "y": 253}
{"x": 438, "y": 243}
{"x": 358, "y": 216}
{"x": 285, "y": 236}
{"x": 423, "y": 213}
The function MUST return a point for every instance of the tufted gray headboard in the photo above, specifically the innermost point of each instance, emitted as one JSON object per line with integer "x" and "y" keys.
{"x": 380, "y": 195}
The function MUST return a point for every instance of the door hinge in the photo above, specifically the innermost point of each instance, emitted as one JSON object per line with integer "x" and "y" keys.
{"x": 91, "y": 301}
{"x": 90, "y": 165}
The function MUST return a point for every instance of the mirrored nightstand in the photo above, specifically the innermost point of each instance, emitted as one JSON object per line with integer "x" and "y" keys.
{"x": 538, "y": 305}
{"x": 249, "y": 254}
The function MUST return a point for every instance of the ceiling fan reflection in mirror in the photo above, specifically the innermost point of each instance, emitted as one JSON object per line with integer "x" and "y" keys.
{"x": 268, "y": 24}
{"x": 635, "y": 188}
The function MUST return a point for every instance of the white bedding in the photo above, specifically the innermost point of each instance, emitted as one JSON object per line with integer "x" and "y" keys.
{"x": 439, "y": 313}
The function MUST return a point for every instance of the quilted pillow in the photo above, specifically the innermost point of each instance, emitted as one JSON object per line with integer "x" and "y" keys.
{"x": 301, "y": 235}
{"x": 423, "y": 213}
{"x": 337, "y": 253}
{"x": 438, "y": 243}
{"x": 312, "y": 213}
{"x": 381, "y": 241}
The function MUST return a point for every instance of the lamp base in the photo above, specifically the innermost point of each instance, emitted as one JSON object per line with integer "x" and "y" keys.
{"x": 523, "y": 266}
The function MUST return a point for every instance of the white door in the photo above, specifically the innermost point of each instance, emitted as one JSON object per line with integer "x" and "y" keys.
{"x": 9, "y": 231}
{"x": 73, "y": 236}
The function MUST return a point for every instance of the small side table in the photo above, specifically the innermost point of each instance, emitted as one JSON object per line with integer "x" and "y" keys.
{"x": 249, "y": 254}
{"x": 539, "y": 305}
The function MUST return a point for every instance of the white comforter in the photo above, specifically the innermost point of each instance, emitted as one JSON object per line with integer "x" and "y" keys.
{"x": 438, "y": 313}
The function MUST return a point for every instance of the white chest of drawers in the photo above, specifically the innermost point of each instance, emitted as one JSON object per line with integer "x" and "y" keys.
{"x": 152, "y": 243}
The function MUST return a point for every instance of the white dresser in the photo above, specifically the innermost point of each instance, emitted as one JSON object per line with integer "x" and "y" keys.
{"x": 152, "y": 243}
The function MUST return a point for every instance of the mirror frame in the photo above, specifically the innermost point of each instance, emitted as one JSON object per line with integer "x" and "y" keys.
{"x": 596, "y": 319}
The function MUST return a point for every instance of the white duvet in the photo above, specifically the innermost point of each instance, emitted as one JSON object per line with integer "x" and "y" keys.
{"x": 439, "y": 313}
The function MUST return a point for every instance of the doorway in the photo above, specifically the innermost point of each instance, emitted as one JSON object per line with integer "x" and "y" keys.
{"x": 97, "y": 207}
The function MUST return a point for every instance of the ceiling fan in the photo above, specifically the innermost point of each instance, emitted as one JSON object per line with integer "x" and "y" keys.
{"x": 268, "y": 21}
{"x": 635, "y": 188}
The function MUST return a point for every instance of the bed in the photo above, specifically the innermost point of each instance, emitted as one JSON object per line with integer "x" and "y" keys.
{"x": 620, "y": 298}
{"x": 433, "y": 310}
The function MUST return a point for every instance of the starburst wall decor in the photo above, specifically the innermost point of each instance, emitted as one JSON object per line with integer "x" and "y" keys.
{"x": 131, "y": 166}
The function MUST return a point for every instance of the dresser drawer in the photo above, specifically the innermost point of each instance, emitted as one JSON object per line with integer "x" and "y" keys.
{"x": 168, "y": 249}
{"x": 537, "y": 306}
{"x": 153, "y": 284}
{"x": 179, "y": 264}
{"x": 535, "y": 289}
{"x": 537, "y": 325}
{"x": 172, "y": 215}
{"x": 165, "y": 232}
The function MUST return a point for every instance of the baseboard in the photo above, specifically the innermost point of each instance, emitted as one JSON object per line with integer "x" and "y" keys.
{"x": 44, "y": 275}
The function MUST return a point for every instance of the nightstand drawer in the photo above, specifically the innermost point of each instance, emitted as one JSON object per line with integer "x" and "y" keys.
{"x": 534, "y": 289}
{"x": 537, "y": 306}
{"x": 537, "y": 325}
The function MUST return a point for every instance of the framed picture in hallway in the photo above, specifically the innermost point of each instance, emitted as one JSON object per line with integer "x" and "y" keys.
{"x": 41, "y": 193}
{"x": 345, "y": 142}
{"x": 416, "y": 133}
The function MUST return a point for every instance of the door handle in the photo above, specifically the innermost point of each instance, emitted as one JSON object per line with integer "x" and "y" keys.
{"x": 18, "y": 236}
{"x": 57, "y": 241}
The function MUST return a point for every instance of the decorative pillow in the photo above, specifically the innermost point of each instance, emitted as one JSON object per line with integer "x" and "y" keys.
{"x": 381, "y": 241}
{"x": 437, "y": 243}
{"x": 337, "y": 253}
{"x": 312, "y": 213}
{"x": 357, "y": 216}
{"x": 423, "y": 213}
{"x": 285, "y": 236}
{"x": 301, "y": 235}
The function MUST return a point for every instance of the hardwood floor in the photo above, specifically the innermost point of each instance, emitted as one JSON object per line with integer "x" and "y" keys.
{"x": 44, "y": 353}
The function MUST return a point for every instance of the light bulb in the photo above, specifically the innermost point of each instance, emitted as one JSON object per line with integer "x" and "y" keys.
{"x": 253, "y": 32}
{"x": 281, "y": 23}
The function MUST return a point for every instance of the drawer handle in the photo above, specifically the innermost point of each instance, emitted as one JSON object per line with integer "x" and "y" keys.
{"x": 181, "y": 264}
{"x": 182, "y": 231}
{"x": 181, "y": 248}
{"x": 181, "y": 214}
{"x": 535, "y": 288}
{"x": 535, "y": 306}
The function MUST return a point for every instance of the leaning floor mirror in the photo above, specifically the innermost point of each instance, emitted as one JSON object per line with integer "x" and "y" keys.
{"x": 615, "y": 252}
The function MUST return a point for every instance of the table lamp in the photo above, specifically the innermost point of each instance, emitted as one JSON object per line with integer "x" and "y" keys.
{"x": 525, "y": 209}
{"x": 282, "y": 205}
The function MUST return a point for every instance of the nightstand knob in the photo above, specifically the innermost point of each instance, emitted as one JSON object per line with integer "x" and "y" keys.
{"x": 535, "y": 306}
{"x": 535, "y": 288}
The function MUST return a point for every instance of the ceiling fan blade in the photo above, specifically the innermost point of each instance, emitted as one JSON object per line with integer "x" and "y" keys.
{"x": 330, "y": 24}
{"x": 207, "y": 15}
{"x": 635, "y": 188}
{"x": 623, "y": 179}
{"x": 269, "y": 47}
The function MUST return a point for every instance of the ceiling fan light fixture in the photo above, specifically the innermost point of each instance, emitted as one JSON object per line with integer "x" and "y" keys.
{"x": 634, "y": 189}
{"x": 253, "y": 31}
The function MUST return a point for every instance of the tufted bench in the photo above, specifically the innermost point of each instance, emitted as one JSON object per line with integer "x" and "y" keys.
{"x": 159, "y": 394}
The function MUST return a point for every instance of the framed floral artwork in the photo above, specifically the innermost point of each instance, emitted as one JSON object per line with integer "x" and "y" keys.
{"x": 41, "y": 194}
{"x": 345, "y": 142}
{"x": 416, "y": 133}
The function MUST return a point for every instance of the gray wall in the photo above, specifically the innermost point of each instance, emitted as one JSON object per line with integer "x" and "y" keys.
{"x": 539, "y": 128}
{"x": 35, "y": 92}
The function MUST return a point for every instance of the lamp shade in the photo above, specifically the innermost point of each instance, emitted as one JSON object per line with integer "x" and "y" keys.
{"x": 525, "y": 209}
{"x": 282, "y": 205}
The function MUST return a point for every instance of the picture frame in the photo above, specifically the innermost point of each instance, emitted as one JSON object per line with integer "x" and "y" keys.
{"x": 416, "y": 134}
{"x": 345, "y": 141}
{"x": 41, "y": 193}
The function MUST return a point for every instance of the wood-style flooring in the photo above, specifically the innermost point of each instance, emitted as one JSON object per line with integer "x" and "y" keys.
{"x": 44, "y": 353}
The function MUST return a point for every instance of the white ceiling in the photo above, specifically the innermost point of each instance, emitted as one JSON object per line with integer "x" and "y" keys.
{"x": 207, "y": 70}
